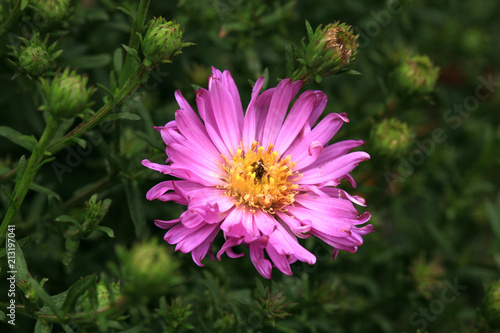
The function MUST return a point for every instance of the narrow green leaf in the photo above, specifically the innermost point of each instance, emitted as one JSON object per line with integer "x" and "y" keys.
{"x": 43, "y": 327}
{"x": 24, "y": 3}
{"x": 135, "y": 200}
{"x": 69, "y": 219}
{"x": 107, "y": 231}
{"x": 91, "y": 61}
{"x": 21, "y": 243}
{"x": 21, "y": 266}
{"x": 289, "y": 61}
{"x": 67, "y": 328}
{"x": 25, "y": 141}
{"x": 76, "y": 290}
{"x": 79, "y": 141}
{"x": 126, "y": 12}
{"x": 15, "y": 257}
{"x": 109, "y": 92}
{"x": 42, "y": 294}
{"x": 310, "y": 32}
{"x": 118, "y": 60}
{"x": 151, "y": 141}
{"x": 133, "y": 53}
{"x": 44, "y": 190}
{"x": 21, "y": 168}
{"x": 121, "y": 115}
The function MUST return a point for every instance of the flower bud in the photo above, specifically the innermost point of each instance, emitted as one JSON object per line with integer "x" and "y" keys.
{"x": 416, "y": 76}
{"x": 67, "y": 94}
{"x": 96, "y": 211}
{"x": 163, "y": 41}
{"x": 51, "y": 10}
{"x": 330, "y": 50}
{"x": 149, "y": 269}
{"x": 491, "y": 305}
{"x": 34, "y": 58}
{"x": 391, "y": 138}
{"x": 105, "y": 294}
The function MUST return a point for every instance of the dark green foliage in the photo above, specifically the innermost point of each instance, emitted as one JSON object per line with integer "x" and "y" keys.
{"x": 75, "y": 188}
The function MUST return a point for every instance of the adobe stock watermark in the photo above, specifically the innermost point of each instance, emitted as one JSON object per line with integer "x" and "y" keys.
{"x": 11, "y": 279}
{"x": 381, "y": 19}
{"x": 426, "y": 315}
{"x": 454, "y": 117}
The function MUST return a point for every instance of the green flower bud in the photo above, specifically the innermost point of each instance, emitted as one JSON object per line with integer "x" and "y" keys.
{"x": 96, "y": 211}
{"x": 52, "y": 10}
{"x": 67, "y": 94}
{"x": 330, "y": 50}
{"x": 34, "y": 58}
{"x": 149, "y": 269}
{"x": 427, "y": 275}
{"x": 491, "y": 305}
{"x": 416, "y": 76}
{"x": 391, "y": 138}
{"x": 163, "y": 41}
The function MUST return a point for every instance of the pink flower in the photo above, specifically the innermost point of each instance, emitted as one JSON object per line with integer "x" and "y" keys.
{"x": 264, "y": 177}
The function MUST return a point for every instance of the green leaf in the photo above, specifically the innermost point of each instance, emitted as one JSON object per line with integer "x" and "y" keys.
{"x": 152, "y": 141}
{"x": 133, "y": 53}
{"x": 69, "y": 219}
{"x": 42, "y": 294}
{"x": 43, "y": 327}
{"x": 135, "y": 199}
{"x": 121, "y": 115}
{"x": 109, "y": 92}
{"x": 79, "y": 141}
{"x": 25, "y": 141}
{"x": 310, "y": 32}
{"x": 76, "y": 290}
{"x": 24, "y": 3}
{"x": 127, "y": 13}
{"x": 118, "y": 60}
{"x": 44, "y": 190}
{"x": 107, "y": 231}
{"x": 90, "y": 61}
{"x": 289, "y": 61}
{"x": 21, "y": 168}
{"x": 19, "y": 264}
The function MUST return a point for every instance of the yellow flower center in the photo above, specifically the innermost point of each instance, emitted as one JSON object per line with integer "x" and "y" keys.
{"x": 259, "y": 178}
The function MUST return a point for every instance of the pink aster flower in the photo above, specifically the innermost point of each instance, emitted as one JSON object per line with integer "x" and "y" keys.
{"x": 263, "y": 178}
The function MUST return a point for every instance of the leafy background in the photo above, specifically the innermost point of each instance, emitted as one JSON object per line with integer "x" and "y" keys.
{"x": 438, "y": 223}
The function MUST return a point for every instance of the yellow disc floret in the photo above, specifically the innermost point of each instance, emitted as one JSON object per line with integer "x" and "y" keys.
{"x": 260, "y": 178}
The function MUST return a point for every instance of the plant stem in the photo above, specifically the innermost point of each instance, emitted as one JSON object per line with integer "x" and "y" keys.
{"x": 34, "y": 163}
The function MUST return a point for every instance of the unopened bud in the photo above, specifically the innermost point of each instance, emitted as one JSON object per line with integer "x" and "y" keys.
{"x": 67, "y": 94}
{"x": 51, "y": 10}
{"x": 391, "y": 138}
{"x": 96, "y": 211}
{"x": 149, "y": 268}
{"x": 163, "y": 41}
{"x": 34, "y": 58}
{"x": 416, "y": 76}
{"x": 330, "y": 50}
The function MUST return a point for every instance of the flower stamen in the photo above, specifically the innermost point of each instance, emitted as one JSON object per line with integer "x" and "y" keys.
{"x": 260, "y": 178}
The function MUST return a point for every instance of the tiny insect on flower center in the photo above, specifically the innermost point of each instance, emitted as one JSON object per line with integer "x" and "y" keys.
{"x": 260, "y": 178}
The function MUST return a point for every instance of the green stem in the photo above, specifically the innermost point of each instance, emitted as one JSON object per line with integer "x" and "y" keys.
{"x": 34, "y": 163}
{"x": 14, "y": 14}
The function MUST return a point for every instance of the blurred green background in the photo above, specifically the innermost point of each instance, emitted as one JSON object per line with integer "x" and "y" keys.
{"x": 435, "y": 202}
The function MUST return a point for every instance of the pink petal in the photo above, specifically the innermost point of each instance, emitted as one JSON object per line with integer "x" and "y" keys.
{"x": 201, "y": 251}
{"x": 262, "y": 265}
{"x": 333, "y": 169}
{"x": 322, "y": 133}
{"x": 296, "y": 119}
{"x": 285, "y": 92}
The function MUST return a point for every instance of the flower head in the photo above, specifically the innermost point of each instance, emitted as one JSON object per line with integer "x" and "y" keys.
{"x": 263, "y": 178}
{"x": 67, "y": 94}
